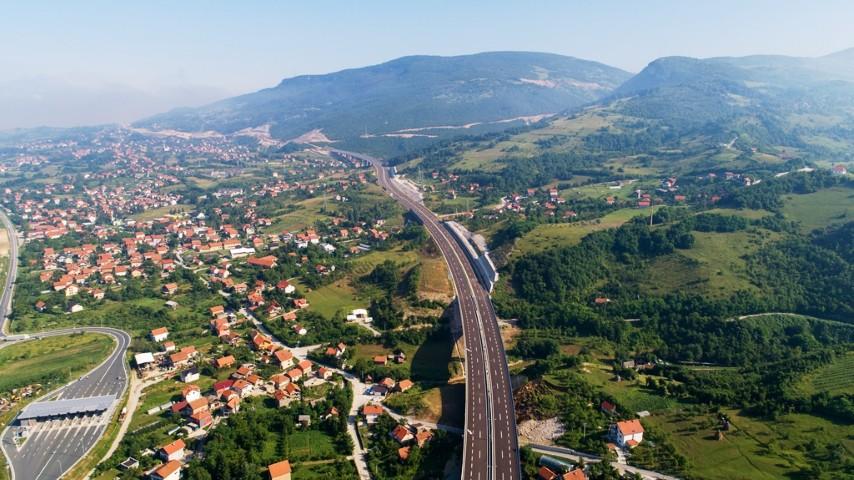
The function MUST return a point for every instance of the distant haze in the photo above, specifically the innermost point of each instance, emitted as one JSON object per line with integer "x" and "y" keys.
{"x": 77, "y": 63}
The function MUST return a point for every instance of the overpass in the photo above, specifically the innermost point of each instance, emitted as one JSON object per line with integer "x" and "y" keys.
{"x": 490, "y": 442}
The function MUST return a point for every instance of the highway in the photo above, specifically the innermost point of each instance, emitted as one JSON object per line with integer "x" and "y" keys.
{"x": 490, "y": 447}
{"x": 54, "y": 446}
{"x": 6, "y": 298}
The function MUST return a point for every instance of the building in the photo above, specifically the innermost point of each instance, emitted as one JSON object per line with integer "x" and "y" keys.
{"x": 628, "y": 433}
{"x": 402, "y": 434}
{"x": 159, "y": 334}
{"x": 280, "y": 470}
{"x": 202, "y": 419}
{"x": 264, "y": 262}
{"x": 224, "y": 362}
{"x": 191, "y": 392}
{"x": 190, "y": 375}
{"x": 168, "y": 471}
{"x": 172, "y": 451}
{"x": 285, "y": 358}
{"x": 371, "y": 412}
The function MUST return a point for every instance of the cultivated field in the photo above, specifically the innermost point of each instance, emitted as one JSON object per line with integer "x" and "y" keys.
{"x": 835, "y": 379}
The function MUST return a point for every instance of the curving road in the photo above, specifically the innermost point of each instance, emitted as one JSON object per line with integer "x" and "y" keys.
{"x": 53, "y": 447}
{"x": 490, "y": 447}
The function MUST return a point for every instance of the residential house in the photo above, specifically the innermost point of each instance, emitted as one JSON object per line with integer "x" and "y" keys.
{"x": 224, "y": 362}
{"x": 159, "y": 334}
{"x": 190, "y": 375}
{"x": 401, "y": 434}
{"x": 196, "y": 406}
{"x": 284, "y": 357}
{"x": 172, "y": 451}
{"x": 280, "y": 470}
{"x": 371, "y": 412}
{"x": 264, "y": 262}
{"x": 169, "y": 471}
{"x": 628, "y": 433}
{"x": 201, "y": 419}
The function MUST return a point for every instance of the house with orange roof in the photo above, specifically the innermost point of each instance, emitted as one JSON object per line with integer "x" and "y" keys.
{"x": 627, "y": 433}
{"x": 401, "y": 434}
{"x": 423, "y": 437}
{"x": 371, "y": 412}
{"x": 169, "y": 471}
{"x": 264, "y": 262}
{"x": 159, "y": 334}
{"x": 224, "y": 362}
{"x": 280, "y": 470}
{"x": 294, "y": 374}
{"x": 279, "y": 381}
{"x": 201, "y": 419}
{"x": 196, "y": 406}
{"x": 284, "y": 357}
{"x": 576, "y": 474}
{"x": 172, "y": 451}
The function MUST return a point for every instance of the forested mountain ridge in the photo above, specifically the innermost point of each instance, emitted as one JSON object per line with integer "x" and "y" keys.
{"x": 408, "y": 93}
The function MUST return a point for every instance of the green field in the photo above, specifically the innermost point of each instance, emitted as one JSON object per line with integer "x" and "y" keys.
{"x": 52, "y": 361}
{"x": 752, "y": 449}
{"x": 715, "y": 264}
{"x": 554, "y": 235}
{"x": 309, "y": 444}
{"x": 303, "y": 215}
{"x": 835, "y": 379}
{"x": 820, "y": 209}
{"x": 741, "y": 212}
{"x": 334, "y": 298}
{"x": 162, "y": 211}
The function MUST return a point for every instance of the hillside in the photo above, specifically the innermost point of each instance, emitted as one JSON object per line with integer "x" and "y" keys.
{"x": 682, "y": 116}
{"x": 402, "y": 98}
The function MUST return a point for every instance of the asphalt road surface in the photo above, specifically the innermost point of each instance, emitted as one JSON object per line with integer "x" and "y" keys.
{"x": 54, "y": 446}
{"x": 490, "y": 448}
{"x": 6, "y": 298}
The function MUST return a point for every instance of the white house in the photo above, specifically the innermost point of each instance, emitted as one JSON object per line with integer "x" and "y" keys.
{"x": 159, "y": 334}
{"x": 172, "y": 451}
{"x": 359, "y": 315}
{"x": 628, "y": 433}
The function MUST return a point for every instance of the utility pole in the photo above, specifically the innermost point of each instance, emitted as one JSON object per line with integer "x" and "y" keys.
{"x": 651, "y": 209}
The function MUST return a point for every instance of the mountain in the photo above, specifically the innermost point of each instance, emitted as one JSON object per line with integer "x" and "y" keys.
{"x": 775, "y": 94}
{"x": 678, "y": 116}
{"x": 405, "y": 97}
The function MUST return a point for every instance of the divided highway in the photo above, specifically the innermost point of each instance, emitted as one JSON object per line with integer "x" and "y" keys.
{"x": 8, "y": 285}
{"x": 54, "y": 446}
{"x": 490, "y": 450}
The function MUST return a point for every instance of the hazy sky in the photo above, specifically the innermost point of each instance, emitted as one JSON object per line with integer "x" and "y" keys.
{"x": 70, "y": 63}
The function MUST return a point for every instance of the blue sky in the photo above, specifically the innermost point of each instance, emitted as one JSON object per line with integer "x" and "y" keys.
{"x": 58, "y": 57}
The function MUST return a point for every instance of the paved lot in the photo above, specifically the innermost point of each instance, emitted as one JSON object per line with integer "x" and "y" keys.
{"x": 54, "y": 446}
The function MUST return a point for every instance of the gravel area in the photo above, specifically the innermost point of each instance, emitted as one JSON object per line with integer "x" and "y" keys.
{"x": 542, "y": 432}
